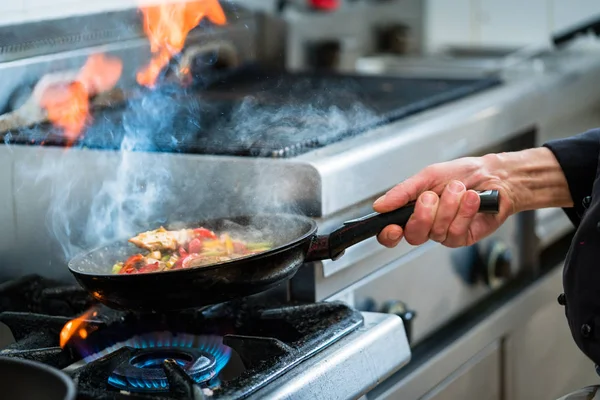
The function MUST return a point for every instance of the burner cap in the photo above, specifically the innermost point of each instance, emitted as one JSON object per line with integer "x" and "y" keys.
{"x": 144, "y": 371}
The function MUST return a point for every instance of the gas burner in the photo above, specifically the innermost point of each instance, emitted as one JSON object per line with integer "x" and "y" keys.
{"x": 144, "y": 372}
{"x": 201, "y": 357}
{"x": 227, "y": 351}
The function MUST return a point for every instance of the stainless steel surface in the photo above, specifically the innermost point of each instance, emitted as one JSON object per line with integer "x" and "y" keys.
{"x": 551, "y": 225}
{"x": 479, "y": 378}
{"x": 350, "y": 367}
{"x": 48, "y": 54}
{"x": 437, "y": 65}
{"x": 428, "y": 281}
{"x": 542, "y": 350}
{"x": 537, "y": 299}
{"x": 355, "y": 27}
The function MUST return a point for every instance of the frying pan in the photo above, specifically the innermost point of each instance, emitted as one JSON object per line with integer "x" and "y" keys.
{"x": 295, "y": 241}
{"x": 27, "y": 380}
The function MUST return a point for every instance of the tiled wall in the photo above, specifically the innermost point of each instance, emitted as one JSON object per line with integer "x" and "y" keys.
{"x": 502, "y": 22}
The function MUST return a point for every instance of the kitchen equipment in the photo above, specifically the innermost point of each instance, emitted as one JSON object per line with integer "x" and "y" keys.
{"x": 246, "y": 349}
{"x": 27, "y": 380}
{"x": 296, "y": 242}
{"x": 258, "y": 112}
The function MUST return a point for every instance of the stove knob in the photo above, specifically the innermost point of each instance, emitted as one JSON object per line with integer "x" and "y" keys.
{"x": 368, "y": 304}
{"x": 467, "y": 263}
{"x": 400, "y": 309}
{"x": 498, "y": 264}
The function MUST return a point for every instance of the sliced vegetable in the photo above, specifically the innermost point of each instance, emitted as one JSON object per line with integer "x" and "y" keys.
{"x": 183, "y": 252}
{"x": 205, "y": 233}
{"x": 149, "y": 268}
{"x": 255, "y": 246}
{"x": 228, "y": 243}
{"x": 195, "y": 246}
{"x": 117, "y": 268}
{"x": 184, "y": 248}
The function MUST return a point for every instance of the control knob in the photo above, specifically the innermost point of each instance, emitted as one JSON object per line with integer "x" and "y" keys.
{"x": 400, "y": 309}
{"x": 498, "y": 264}
{"x": 492, "y": 265}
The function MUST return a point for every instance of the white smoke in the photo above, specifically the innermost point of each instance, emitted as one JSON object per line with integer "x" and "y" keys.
{"x": 97, "y": 196}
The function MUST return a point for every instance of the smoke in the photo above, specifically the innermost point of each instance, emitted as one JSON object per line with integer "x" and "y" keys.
{"x": 124, "y": 178}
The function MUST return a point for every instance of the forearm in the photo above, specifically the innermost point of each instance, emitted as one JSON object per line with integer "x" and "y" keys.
{"x": 535, "y": 178}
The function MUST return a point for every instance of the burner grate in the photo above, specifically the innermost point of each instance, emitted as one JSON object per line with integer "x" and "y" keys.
{"x": 241, "y": 346}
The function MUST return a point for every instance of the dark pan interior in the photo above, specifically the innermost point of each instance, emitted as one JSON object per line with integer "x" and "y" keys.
{"x": 280, "y": 229}
{"x": 27, "y": 380}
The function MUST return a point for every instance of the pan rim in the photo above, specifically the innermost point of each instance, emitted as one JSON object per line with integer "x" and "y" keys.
{"x": 310, "y": 232}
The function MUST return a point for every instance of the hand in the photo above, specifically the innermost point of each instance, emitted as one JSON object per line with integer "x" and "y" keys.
{"x": 447, "y": 204}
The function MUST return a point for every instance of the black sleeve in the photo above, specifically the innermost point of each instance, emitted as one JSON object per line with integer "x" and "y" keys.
{"x": 578, "y": 158}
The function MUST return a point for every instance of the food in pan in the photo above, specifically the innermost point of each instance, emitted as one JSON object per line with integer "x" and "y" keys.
{"x": 184, "y": 248}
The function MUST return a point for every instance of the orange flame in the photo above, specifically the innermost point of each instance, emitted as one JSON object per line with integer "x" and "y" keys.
{"x": 167, "y": 27}
{"x": 68, "y": 105}
{"x": 79, "y": 326}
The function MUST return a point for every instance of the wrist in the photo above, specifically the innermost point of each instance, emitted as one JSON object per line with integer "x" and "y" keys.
{"x": 533, "y": 177}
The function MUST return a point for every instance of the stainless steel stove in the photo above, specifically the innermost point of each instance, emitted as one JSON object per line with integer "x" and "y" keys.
{"x": 302, "y": 137}
{"x": 244, "y": 349}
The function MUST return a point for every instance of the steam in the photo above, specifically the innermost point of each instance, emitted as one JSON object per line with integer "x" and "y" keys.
{"x": 129, "y": 181}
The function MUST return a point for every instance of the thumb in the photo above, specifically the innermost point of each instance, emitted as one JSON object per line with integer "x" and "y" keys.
{"x": 404, "y": 192}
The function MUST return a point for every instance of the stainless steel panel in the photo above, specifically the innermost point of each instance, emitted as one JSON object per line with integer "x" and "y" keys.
{"x": 354, "y": 26}
{"x": 7, "y": 209}
{"x": 57, "y": 191}
{"x": 133, "y": 52}
{"x": 497, "y": 325}
{"x": 542, "y": 360}
{"x": 551, "y": 225}
{"x": 479, "y": 378}
{"x": 428, "y": 281}
{"x": 348, "y": 368}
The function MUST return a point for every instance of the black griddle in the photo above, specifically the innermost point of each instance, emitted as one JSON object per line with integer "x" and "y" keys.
{"x": 259, "y": 113}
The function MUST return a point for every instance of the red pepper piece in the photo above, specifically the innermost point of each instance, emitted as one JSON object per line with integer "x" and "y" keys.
{"x": 195, "y": 246}
{"x": 239, "y": 247}
{"x": 178, "y": 264}
{"x": 149, "y": 268}
{"x": 205, "y": 233}
{"x": 183, "y": 252}
{"x": 127, "y": 270}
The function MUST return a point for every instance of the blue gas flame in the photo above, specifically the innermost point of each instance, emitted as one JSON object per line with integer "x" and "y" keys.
{"x": 210, "y": 344}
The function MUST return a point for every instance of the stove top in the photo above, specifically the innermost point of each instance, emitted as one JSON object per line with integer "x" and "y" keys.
{"x": 259, "y": 113}
{"x": 225, "y": 351}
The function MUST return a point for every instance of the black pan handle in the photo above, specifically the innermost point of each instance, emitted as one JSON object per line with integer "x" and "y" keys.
{"x": 332, "y": 246}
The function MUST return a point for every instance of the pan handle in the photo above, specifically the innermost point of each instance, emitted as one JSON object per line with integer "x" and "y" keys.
{"x": 332, "y": 246}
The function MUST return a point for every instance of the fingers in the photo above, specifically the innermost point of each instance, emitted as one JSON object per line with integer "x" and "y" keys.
{"x": 447, "y": 210}
{"x": 421, "y": 221}
{"x": 458, "y": 231}
{"x": 405, "y": 192}
{"x": 390, "y": 236}
{"x": 445, "y": 219}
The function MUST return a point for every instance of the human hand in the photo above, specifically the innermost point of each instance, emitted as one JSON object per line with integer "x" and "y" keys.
{"x": 447, "y": 203}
